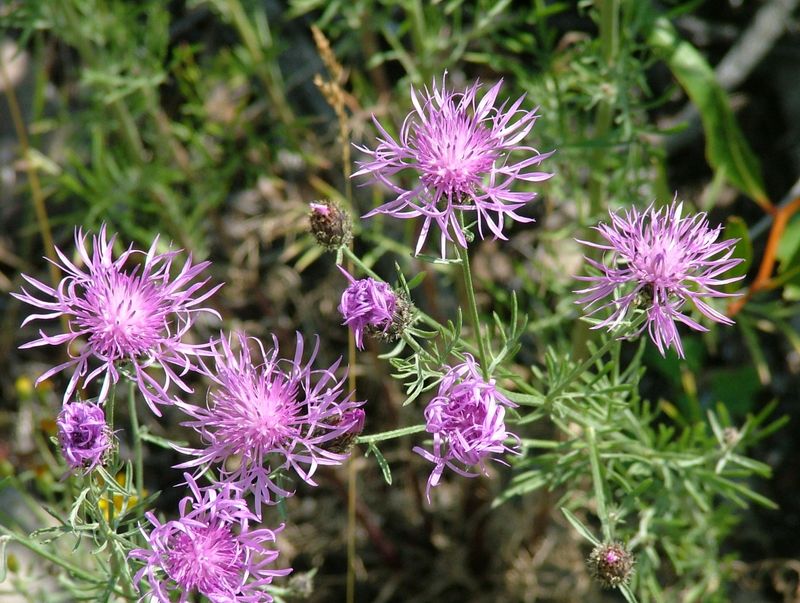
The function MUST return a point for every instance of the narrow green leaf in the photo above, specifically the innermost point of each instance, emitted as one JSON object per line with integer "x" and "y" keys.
{"x": 578, "y": 525}
{"x": 414, "y": 282}
{"x": 382, "y": 463}
{"x": 627, "y": 593}
{"x": 726, "y": 148}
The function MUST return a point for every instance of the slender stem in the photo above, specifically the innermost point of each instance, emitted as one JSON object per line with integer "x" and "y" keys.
{"x": 599, "y": 484}
{"x": 463, "y": 253}
{"x": 390, "y": 435}
{"x": 352, "y": 474}
{"x": 138, "y": 460}
{"x": 609, "y": 44}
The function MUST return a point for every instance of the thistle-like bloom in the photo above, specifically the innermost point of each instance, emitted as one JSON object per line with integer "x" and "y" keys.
{"x": 467, "y": 420}
{"x": 83, "y": 434}
{"x": 268, "y": 417}
{"x": 461, "y": 150}
{"x": 211, "y": 549}
{"x": 659, "y": 260}
{"x": 122, "y": 312}
{"x": 367, "y": 303}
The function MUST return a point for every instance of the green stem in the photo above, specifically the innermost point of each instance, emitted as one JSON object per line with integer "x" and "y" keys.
{"x": 609, "y": 45}
{"x": 463, "y": 253}
{"x": 138, "y": 460}
{"x": 599, "y": 484}
{"x": 390, "y": 435}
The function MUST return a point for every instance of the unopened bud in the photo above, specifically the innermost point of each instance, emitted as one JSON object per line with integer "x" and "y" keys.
{"x": 611, "y": 564}
{"x": 330, "y": 225}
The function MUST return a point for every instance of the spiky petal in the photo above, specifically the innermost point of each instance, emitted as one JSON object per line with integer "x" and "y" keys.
{"x": 210, "y": 549}
{"x": 659, "y": 260}
{"x": 467, "y": 421}
{"x": 271, "y": 414}
{"x": 125, "y": 311}
{"x": 461, "y": 150}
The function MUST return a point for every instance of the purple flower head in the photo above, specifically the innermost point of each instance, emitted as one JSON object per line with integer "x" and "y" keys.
{"x": 211, "y": 549}
{"x": 460, "y": 149}
{"x": 660, "y": 260}
{"x": 367, "y": 303}
{"x": 128, "y": 310}
{"x": 83, "y": 435}
{"x": 274, "y": 415}
{"x": 467, "y": 420}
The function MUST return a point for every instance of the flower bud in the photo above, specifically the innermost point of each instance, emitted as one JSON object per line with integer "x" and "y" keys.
{"x": 611, "y": 564}
{"x": 330, "y": 225}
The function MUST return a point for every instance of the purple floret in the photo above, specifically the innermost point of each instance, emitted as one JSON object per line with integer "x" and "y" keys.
{"x": 461, "y": 150}
{"x": 659, "y": 260}
{"x": 467, "y": 420}
{"x": 210, "y": 549}
{"x": 124, "y": 311}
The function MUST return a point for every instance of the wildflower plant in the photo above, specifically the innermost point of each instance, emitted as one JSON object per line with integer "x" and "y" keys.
{"x": 659, "y": 259}
{"x": 467, "y": 421}
{"x": 516, "y": 379}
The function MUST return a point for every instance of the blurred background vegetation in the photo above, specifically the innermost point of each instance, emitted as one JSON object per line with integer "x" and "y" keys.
{"x": 203, "y": 121}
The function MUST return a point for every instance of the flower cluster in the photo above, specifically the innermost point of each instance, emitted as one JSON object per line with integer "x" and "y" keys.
{"x": 211, "y": 549}
{"x": 467, "y": 420}
{"x": 273, "y": 415}
{"x": 462, "y": 152}
{"x": 659, "y": 260}
{"x": 83, "y": 435}
{"x": 267, "y": 418}
{"x": 124, "y": 312}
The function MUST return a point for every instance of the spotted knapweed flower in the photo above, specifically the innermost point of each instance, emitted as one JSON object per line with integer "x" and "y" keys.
{"x": 462, "y": 151}
{"x": 83, "y": 434}
{"x": 467, "y": 420}
{"x": 264, "y": 418}
{"x": 659, "y": 260}
{"x": 365, "y": 304}
{"x": 210, "y": 549}
{"x": 128, "y": 312}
